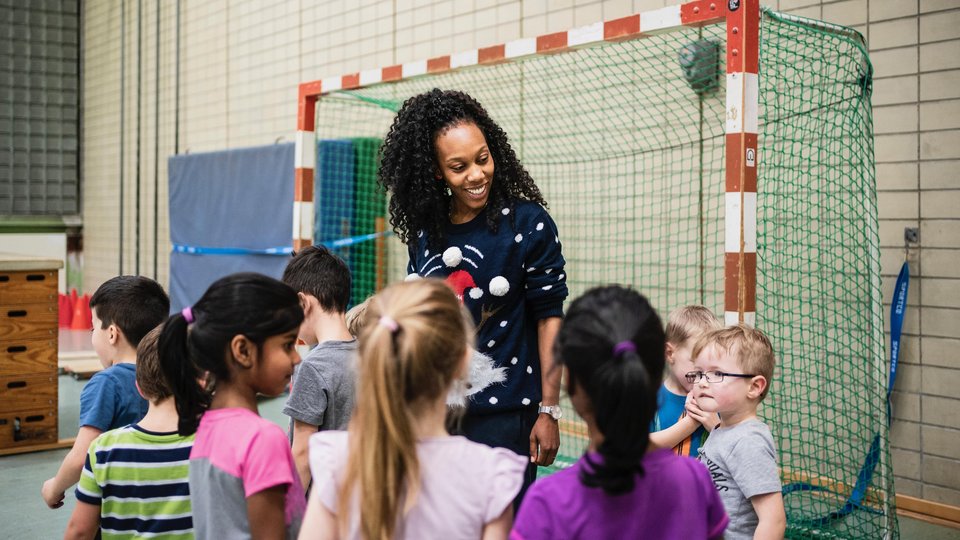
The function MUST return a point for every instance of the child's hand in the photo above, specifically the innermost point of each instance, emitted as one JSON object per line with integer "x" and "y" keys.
{"x": 708, "y": 420}
{"x": 52, "y": 498}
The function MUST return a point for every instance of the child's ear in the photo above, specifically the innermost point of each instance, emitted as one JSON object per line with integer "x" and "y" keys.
{"x": 242, "y": 350}
{"x": 113, "y": 334}
{"x": 757, "y": 385}
{"x": 304, "y": 303}
{"x": 669, "y": 351}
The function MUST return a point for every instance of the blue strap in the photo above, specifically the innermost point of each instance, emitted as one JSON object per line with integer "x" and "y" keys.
{"x": 344, "y": 242}
{"x": 206, "y": 250}
{"x": 865, "y": 476}
{"x": 275, "y": 251}
{"x": 897, "y": 308}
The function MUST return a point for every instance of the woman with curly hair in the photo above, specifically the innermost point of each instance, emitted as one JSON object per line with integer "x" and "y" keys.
{"x": 470, "y": 213}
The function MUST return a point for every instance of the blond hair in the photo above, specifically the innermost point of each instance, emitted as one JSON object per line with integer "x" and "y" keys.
{"x": 150, "y": 376}
{"x": 749, "y": 346}
{"x": 689, "y": 322}
{"x": 356, "y": 317}
{"x": 411, "y": 350}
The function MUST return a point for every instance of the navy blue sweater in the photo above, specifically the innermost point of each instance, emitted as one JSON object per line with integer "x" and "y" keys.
{"x": 508, "y": 280}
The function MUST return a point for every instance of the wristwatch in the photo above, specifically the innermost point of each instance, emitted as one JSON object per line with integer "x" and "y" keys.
{"x": 554, "y": 411}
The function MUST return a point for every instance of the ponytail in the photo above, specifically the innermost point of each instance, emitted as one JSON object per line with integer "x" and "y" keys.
{"x": 182, "y": 374}
{"x": 412, "y": 346}
{"x": 617, "y": 403}
{"x": 619, "y": 376}
{"x": 386, "y": 468}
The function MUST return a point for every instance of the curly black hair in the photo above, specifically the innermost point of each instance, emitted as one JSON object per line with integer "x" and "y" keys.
{"x": 408, "y": 165}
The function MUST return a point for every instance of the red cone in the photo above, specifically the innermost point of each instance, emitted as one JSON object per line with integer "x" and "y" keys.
{"x": 64, "y": 313}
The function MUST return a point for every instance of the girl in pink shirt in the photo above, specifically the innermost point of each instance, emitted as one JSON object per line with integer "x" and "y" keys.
{"x": 397, "y": 473}
{"x": 237, "y": 341}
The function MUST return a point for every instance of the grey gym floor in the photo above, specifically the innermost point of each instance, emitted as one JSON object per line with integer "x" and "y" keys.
{"x": 24, "y": 516}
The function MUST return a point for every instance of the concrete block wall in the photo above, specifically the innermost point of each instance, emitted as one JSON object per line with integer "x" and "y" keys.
{"x": 241, "y": 60}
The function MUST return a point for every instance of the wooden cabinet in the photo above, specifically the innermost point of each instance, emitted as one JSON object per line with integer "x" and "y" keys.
{"x": 28, "y": 352}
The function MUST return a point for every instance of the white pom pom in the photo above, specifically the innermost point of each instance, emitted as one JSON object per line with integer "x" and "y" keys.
{"x": 518, "y": 238}
{"x": 476, "y": 293}
{"x": 525, "y": 401}
{"x": 452, "y": 257}
{"x": 503, "y": 324}
{"x": 505, "y": 211}
{"x": 491, "y": 343}
{"x": 530, "y": 369}
{"x": 493, "y": 401}
{"x": 499, "y": 286}
{"x": 513, "y": 360}
{"x": 412, "y": 277}
{"x": 540, "y": 226}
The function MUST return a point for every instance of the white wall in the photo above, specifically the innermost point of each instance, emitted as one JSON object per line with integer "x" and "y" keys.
{"x": 50, "y": 245}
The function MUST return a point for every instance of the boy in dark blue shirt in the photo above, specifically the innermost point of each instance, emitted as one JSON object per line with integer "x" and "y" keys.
{"x": 124, "y": 309}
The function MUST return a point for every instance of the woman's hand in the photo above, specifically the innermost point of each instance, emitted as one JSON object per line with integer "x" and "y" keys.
{"x": 544, "y": 440}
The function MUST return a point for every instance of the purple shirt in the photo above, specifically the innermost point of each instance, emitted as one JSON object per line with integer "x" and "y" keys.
{"x": 674, "y": 498}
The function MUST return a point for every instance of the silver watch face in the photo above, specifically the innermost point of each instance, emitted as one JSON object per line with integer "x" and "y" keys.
{"x": 553, "y": 410}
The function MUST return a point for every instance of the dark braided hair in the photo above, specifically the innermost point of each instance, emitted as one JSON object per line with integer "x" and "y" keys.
{"x": 408, "y": 165}
{"x": 612, "y": 343}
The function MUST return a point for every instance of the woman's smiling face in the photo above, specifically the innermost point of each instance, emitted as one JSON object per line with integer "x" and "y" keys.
{"x": 465, "y": 164}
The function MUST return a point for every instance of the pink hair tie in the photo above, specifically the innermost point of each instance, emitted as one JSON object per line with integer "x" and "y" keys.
{"x": 389, "y": 323}
{"x": 187, "y": 313}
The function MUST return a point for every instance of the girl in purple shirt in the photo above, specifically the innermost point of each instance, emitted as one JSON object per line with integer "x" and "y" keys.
{"x": 611, "y": 344}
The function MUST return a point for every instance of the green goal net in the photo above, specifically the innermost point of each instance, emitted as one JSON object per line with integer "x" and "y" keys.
{"x": 626, "y": 141}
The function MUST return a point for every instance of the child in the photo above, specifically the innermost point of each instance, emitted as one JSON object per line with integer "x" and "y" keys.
{"x": 237, "y": 341}
{"x": 323, "y": 385}
{"x": 135, "y": 480}
{"x": 469, "y": 212}
{"x": 397, "y": 473}
{"x": 355, "y": 317}
{"x": 611, "y": 344}
{"x": 733, "y": 369}
{"x": 124, "y": 309}
{"x": 481, "y": 373}
{"x": 673, "y": 426}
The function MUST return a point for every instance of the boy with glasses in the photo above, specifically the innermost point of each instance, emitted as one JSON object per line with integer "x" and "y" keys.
{"x": 733, "y": 370}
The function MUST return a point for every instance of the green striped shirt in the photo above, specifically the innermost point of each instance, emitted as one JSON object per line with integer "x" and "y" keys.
{"x": 140, "y": 480}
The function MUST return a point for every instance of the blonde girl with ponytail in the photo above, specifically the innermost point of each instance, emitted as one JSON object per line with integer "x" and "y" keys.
{"x": 397, "y": 473}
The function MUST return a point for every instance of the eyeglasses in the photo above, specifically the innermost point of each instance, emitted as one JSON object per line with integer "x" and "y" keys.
{"x": 713, "y": 376}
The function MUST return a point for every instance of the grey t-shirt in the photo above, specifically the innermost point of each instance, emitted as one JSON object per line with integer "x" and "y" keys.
{"x": 742, "y": 461}
{"x": 323, "y": 387}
